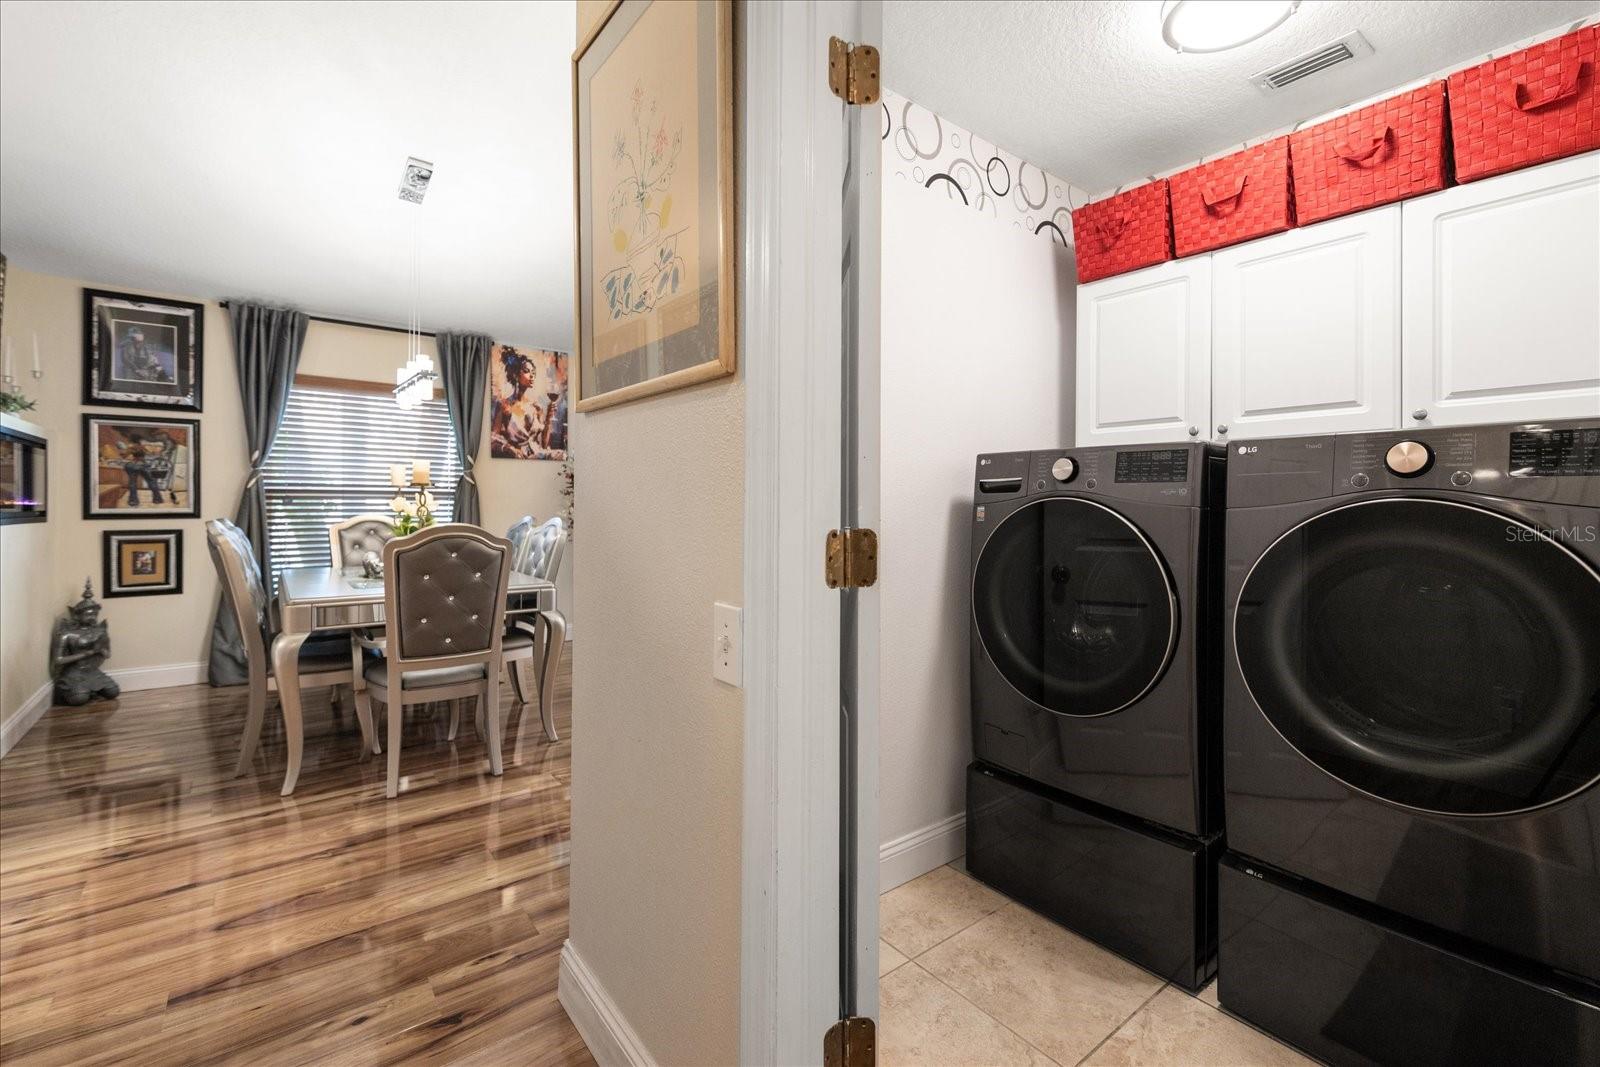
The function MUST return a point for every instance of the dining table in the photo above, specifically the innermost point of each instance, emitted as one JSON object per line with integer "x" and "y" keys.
{"x": 329, "y": 599}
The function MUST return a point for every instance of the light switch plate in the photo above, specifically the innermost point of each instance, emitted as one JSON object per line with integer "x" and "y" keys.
{"x": 727, "y": 644}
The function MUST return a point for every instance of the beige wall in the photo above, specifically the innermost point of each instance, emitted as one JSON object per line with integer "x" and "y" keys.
{"x": 657, "y": 759}
{"x": 42, "y": 566}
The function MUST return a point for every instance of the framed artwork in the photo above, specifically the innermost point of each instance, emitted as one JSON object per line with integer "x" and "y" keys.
{"x": 527, "y": 403}
{"x": 136, "y": 466}
{"x": 141, "y": 562}
{"x": 656, "y": 291}
{"x": 141, "y": 352}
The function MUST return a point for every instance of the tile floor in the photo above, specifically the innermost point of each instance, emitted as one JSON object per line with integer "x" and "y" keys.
{"x": 969, "y": 977}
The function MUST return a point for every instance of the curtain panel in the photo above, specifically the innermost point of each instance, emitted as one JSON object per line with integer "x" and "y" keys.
{"x": 464, "y": 366}
{"x": 267, "y": 342}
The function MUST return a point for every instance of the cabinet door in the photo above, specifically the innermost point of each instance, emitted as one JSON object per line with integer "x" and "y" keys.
{"x": 1144, "y": 355}
{"x": 1501, "y": 284}
{"x": 1306, "y": 330}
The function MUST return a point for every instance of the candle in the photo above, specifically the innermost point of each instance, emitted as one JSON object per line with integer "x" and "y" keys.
{"x": 6, "y": 368}
{"x": 397, "y": 475}
{"x": 36, "y": 371}
{"x": 421, "y": 469}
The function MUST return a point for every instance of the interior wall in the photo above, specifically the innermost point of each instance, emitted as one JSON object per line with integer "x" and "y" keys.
{"x": 657, "y": 753}
{"x": 162, "y": 640}
{"x": 977, "y": 356}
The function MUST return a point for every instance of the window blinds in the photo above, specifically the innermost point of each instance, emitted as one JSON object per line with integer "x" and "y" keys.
{"x": 331, "y": 460}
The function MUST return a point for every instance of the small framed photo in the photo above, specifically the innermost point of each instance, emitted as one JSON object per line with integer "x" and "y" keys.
{"x": 135, "y": 466}
{"x": 141, "y": 352}
{"x": 142, "y": 562}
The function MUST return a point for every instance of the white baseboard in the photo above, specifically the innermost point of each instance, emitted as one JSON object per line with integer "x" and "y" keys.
{"x": 611, "y": 1040}
{"x": 162, "y": 676}
{"x": 32, "y": 710}
{"x": 920, "y": 851}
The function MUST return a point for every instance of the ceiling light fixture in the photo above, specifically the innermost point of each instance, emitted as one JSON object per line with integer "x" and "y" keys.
{"x": 1218, "y": 25}
{"x": 413, "y": 381}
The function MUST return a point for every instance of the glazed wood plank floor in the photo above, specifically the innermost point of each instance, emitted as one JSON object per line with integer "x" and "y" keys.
{"x": 155, "y": 910}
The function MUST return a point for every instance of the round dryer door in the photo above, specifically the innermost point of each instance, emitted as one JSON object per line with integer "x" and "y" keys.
{"x": 1074, "y": 607}
{"x": 1432, "y": 654}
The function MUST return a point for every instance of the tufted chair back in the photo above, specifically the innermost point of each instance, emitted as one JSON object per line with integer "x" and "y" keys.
{"x": 546, "y": 549}
{"x": 350, "y": 541}
{"x": 445, "y": 595}
{"x": 521, "y": 537}
{"x": 246, "y": 593}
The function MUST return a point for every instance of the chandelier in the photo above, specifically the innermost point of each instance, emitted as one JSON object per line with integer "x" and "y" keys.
{"x": 413, "y": 382}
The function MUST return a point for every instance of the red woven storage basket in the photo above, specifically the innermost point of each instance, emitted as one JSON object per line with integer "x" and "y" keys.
{"x": 1527, "y": 107}
{"x": 1377, "y": 155}
{"x": 1123, "y": 232}
{"x": 1232, "y": 199}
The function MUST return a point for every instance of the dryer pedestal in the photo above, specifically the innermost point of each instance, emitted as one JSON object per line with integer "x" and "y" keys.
{"x": 1140, "y": 890}
{"x": 1352, "y": 985}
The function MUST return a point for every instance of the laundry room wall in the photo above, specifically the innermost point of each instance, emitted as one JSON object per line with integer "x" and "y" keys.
{"x": 978, "y": 301}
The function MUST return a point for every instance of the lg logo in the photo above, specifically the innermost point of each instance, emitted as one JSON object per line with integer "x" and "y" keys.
{"x": 1246, "y": 449}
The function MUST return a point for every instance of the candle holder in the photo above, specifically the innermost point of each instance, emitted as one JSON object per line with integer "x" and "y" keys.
{"x": 411, "y": 515}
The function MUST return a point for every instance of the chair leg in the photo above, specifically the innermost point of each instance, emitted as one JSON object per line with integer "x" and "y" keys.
{"x": 555, "y": 641}
{"x": 477, "y": 712}
{"x": 490, "y": 702}
{"x": 455, "y": 719}
{"x": 514, "y": 672}
{"x": 396, "y": 717}
{"x": 369, "y": 736}
{"x": 252, "y": 727}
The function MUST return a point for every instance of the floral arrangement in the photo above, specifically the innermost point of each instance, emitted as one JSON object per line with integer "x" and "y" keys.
{"x": 412, "y": 515}
{"x": 12, "y": 402}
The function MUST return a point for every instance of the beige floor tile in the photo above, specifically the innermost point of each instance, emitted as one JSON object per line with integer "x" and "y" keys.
{"x": 918, "y": 915}
{"x": 1175, "y": 1028}
{"x": 889, "y": 957}
{"x": 1058, "y": 991}
{"x": 922, "y": 1021}
{"x": 1208, "y": 995}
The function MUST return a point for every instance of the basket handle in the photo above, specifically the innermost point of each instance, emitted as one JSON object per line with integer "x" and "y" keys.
{"x": 1566, "y": 87}
{"x": 1366, "y": 155}
{"x": 1214, "y": 198}
{"x": 1108, "y": 231}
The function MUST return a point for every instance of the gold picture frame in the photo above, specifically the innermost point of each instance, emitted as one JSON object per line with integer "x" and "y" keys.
{"x": 655, "y": 77}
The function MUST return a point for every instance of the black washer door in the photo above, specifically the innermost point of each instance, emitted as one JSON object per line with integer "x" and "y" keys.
{"x": 1432, "y": 654}
{"x": 1074, "y": 607}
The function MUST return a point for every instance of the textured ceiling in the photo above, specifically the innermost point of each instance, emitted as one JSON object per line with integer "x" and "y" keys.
{"x": 1089, "y": 90}
{"x": 254, "y": 149}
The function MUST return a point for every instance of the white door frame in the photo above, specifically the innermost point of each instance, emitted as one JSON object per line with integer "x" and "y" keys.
{"x": 793, "y": 157}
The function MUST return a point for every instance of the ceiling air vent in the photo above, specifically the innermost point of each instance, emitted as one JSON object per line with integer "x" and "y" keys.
{"x": 1346, "y": 48}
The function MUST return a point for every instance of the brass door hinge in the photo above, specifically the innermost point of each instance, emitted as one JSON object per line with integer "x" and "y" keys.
{"x": 852, "y": 561}
{"x": 850, "y": 1042}
{"x": 853, "y": 72}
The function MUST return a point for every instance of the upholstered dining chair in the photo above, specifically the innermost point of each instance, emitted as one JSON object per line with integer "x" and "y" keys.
{"x": 444, "y": 602}
{"x": 349, "y": 541}
{"x": 324, "y": 662}
{"x": 521, "y": 537}
{"x": 525, "y": 642}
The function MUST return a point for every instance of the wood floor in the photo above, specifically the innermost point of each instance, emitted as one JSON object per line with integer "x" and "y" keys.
{"x": 155, "y": 910}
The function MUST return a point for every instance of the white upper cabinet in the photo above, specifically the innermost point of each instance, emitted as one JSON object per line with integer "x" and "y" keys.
{"x": 1144, "y": 355}
{"x": 1306, "y": 330}
{"x": 1502, "y": 298}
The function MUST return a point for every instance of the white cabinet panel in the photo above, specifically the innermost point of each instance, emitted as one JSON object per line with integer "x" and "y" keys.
{"x": 1306, "y": 330}
{"x": 1144, "y": 355}
{"x": 1502, "y": 298}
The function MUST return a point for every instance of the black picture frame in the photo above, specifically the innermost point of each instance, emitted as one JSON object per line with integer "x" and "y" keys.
{"x": 176, "y": 328}
{"x": 113, "y": 583}
{"x": 181, "y": 470}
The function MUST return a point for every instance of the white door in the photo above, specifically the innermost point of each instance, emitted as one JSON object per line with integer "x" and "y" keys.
{"x": 1306, "y": 330}
{"x": 1502, "y": 283}
{"x": 1144, "y": 355}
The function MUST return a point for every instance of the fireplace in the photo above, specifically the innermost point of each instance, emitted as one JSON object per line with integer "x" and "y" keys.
{"x": 24, "y": 480}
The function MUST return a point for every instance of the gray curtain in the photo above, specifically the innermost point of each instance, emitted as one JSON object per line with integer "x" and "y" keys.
{"x": 464, "y": 366}
{"x": 266, "y": 348}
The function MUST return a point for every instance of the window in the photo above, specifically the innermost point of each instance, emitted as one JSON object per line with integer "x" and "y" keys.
{"x": 331, "y": 461}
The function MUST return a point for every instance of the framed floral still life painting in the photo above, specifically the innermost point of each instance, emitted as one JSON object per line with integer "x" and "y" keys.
{"x": 141, "y": 562}
{"x": 136, "y": 466}
{"x": 656, "y": 300}
{"x": 527, "y": 403}
{"x": 141, "y": 351}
